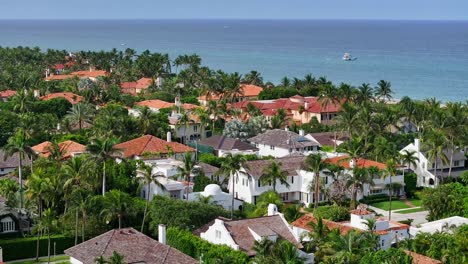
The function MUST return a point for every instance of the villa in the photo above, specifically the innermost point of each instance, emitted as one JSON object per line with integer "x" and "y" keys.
{"x": 441, "y": 225}
{"x": 331, "y": 139}
{"x": 70, "y": 97}
{"x": 68, "y": 149}
{"x": 140, "y": 86}
{"x": 6, "y": 95}
{"x": 133, "y": 245}
{"x": 248, "y": 92}
{"x": 222, "y": 145}
{"x": 91, "y": 74}
{"x": 217, "y": 197}
{"x": 425, "y": 168}
{"x": 280, "y": 143}
{"x": 389, "y": 232}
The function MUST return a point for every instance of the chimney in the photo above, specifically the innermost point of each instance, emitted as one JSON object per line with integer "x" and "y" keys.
{"x": 306, "y": 105}
{"x": 177, "y": 101}
{"x": 168, "y": 136}
{"x": 417, "y": 144}
{"x": 272, "y": 209}
{"x": 286, "y": 128}
{"x": 162, "y": 234}
{"x": 36, "y": 93}
{"x": 301, "y": 132}
{"x": 352, "y": 163}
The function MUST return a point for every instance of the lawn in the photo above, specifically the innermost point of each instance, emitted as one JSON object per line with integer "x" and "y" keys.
{"x": 58, "y": 260}
{"x": 397, "y": 204}
{"x": 412, "y": 210}
{"x": 415, "y": 202}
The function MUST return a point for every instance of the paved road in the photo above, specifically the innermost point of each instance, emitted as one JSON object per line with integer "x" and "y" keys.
{"x": 418, "y": 217}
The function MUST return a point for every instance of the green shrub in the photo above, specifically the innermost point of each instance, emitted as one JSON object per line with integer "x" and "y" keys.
{"x": 21, "y": 248}
{"x": 332, "y": 212}
{"x": 197, "y": 247}
{"x": 377, "y": 198}
{"x": 410, "y": 184}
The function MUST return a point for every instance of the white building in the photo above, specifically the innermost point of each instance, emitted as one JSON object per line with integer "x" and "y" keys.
{"x": 218, "y": 197}
{"x": 425, "y": 168}
{"x": 445, "y": 224}
{"x": 389, "y": 232}
{"x": 242, "y": 234}
{"x": 281, "y": 143}
{"x": 248, "y": 186}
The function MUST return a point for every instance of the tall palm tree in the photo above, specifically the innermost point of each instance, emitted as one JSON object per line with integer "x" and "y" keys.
{"x": 360, "y": 177}
{"x": 390, "y": 171}
{"x": 204, "y": 118}
{"x": 80, "y": 113}
{"x": 328, "y": 96}
{"x": 147, "y": 177}
{"x": 455, "y": 123}
{"x": 231, "y": 168}
{"x": 315, "y": 164}
{"x": 49, "y": 222}
{"x": 101, "y": 151}
{"x": 253, "y": 77}
{"x": 273, "y": 173}
{"x": 117, "y": 205}
{"x": 435, "y": 143}
{"x": 365, "y": 94}
{"x": 186, "y": 171}
{"x": 18, "y": 144}
{"x": 408, "y": 158}
{"x": 75, "y": 173}
{"x": 383, "y": 91}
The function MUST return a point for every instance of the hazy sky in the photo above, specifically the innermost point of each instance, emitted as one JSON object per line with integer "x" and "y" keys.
{"x": 237, "y": 9}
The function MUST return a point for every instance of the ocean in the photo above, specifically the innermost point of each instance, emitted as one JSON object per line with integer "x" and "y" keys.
{"x": 420, "y": 58}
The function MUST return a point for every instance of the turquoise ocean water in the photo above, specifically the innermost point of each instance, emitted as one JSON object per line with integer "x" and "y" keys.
{"x": 420, "y": 58}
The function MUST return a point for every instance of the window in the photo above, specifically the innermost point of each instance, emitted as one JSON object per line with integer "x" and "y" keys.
{"x": 218, "y": 234}
{"x": 195, "y": 128}
{"x": 292, "y": 179}
{"x": 326, "y": 179}
{"x": 243, "y": 182}
{"x": 433, "y": 165}
{"x": 383, "y": 243}
{"x": 285, "y": 196}
{"x": 375, "y": 191}
{"x": 8, "y": 225}
{"x": 424, "y": 165}
{"x": 259, "y": 184}
{"x": 272, "y": 147}
{"x": 456, "y": 163}
{"x": 237, "y": 180}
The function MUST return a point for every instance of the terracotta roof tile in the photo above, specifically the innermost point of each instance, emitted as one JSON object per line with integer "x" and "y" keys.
{"x": 150, "y": 144}
{"x": 304, "y": 223}
{"x": 361, "y": 163}
{"x": 133, "y": 245}
{"x": 421, "y": 259}
{"x": 70, "y": 97}
{"x": 7, "y": 93}
{"x": 159, "y": 104}
{"x": 67, "y": 148}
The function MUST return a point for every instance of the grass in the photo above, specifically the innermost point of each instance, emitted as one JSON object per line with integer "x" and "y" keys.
{"x": 58, "y": 259}
{"x": 415, "y": 201}
{"x": 412, "y": 210}
{"x": 397, "y": 204}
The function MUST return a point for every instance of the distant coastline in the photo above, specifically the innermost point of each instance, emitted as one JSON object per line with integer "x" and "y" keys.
{"x": 423, "y": 58}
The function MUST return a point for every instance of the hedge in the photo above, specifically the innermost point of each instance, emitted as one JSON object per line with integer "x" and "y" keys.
{"x": 377, "y": 198}
{"x": 196, "y": 247}
{"x": 333, "y": 212}
{"x": 21, "y": 248}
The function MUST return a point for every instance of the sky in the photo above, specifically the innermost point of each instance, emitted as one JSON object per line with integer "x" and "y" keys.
{"x": 235, "y": 9}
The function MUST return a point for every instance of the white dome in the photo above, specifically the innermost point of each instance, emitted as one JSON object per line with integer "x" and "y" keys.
{"x": 212, "y": 189}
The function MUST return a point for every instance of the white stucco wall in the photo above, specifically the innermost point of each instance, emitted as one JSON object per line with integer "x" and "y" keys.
{"x": 219, "y": 235}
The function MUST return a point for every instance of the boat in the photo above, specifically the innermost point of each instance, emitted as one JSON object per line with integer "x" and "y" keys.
{"x": 347, "y": 57}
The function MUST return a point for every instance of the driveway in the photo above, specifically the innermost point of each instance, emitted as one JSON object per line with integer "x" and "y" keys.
{"x": 418, "y": 217}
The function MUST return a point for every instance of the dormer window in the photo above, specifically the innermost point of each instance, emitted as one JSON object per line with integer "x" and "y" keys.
{"x": 218, "y": 234}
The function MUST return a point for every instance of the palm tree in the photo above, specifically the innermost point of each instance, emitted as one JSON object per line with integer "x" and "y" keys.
{"x": 117, "y": 205}
{"x": 285, "y": 82}
{"x": 184, "y": 120}
{"x": 273, "y": 173}
{"x": 360, "y": 177}
{"x": 328, "y": 95}
{"x": 186, "y": 171}
{"x": 147, "y": 177}
{"x": 435, "y": 142}
{"x": 455, "y": 123}
{"x": 80, "y": 113}
{"x": 365, "y": 94}
{"x": 253, "y": 77}
{"x": 101, "y": 151}
{"x": 231, "y": 167}
{"x": 204, "y": 119}
{"x": 49, "y": 222}
{"x": 75, "y": 173}
{"x": 315, "y": 164}
{"x": 317, "y": 236}
{"x": 383, "y": 91}
{"x": 391, "y": 171}
{"x": 18, "y": 144}
{"x": 408, "y": 158}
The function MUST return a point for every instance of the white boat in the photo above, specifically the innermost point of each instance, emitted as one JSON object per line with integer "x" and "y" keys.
{"x": 347, "y": 57}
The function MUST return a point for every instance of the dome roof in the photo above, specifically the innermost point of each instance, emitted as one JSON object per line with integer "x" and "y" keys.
{"x": 212, "y": 189}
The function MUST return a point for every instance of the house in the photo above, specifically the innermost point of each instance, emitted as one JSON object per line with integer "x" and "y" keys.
{"x": 248, "y": 92}
{"x": 218, "y": 197}
{"x": 439, "y": 225}
{"x": 421, "y": 259}
{"x": 209, "y": 171}
{"x": 140, "y": 86}
{"x": 68, "y": 149}
{"x": 380, "y": 184}
{"x": 299, "y": 109}
{"x": 10, "y": 164}
{"x": 150, "y": 147}
{"x": 134, "y": 246}
{"x": 70, "y": 97}
{"x": 332, "y": 139}
{"x": 156, "y": 105}
{"x": 9, "y": 220}
{"x": 280, "y": 143}
{"x": 389, "y": 232}
{"x": 223, "y": 145}
{"x": 242, "y": 234}
{"x": 248, "y": 186}
{"x": 6, "y": 95}
{"x": 91, "y": 74}
{"x": 425, "y": 168}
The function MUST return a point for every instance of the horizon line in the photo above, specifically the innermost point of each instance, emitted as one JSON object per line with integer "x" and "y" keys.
{"x": 234, "y": 19}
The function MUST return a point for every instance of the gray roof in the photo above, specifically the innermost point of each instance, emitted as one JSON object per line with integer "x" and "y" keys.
{"x": 283, "y": 139}
{"x": 207, "y": 168}
{"x": 13, "y": 161}
{"x": 133, "y": 245}
{"x": 456, "y": 172}
{"x": 326, "y": 138}
{"x": 226, "y": 143}
{"x": 289, "y": 164}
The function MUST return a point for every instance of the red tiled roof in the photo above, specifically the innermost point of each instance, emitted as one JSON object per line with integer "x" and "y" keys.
{"x": 143, "y": 83}
{"x": 246, "y": 90}
{"x": 421, "y": 259}
{"x": 133, "y": 245}
{"x": 360, "y": 212}
{"x": 303, "y": 222}
{"x": 150, "y": 144}
{"x": 89, "y": 74}
{"x": 59, "y": 66}
{"x": 7, "y": 93}
{"x": 67, "y": 148}
{"x": 70, "y": 97}
{"x": 128, "y": 85}
{"x": 159, "y": 104}
{"x": 361, "y": 163}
